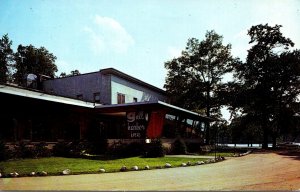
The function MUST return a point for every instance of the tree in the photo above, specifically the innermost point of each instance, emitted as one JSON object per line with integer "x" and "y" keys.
{"x": 63, "y": 74}
{"x": 6, "y": 58}
{"x": 72, "y": 73}
{"x": 33, "y": 60}
{"x": 269, "y": 79}
{"x": 194, "y": 78}
{"x": 75, "y": 72}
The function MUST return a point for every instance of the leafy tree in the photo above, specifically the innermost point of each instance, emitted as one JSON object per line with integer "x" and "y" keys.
{"x": 33, "y": 60}
{"x": 63, "y": 74}
{"x": 194, "y": 78}
{"x": 6, "y": 58}
{"x": 75, "y": 72}
{"x": 269, "y": 79}
{"x": 72, "y": 73}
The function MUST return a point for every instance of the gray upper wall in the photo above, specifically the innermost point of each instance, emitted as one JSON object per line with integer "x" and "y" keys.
{"x": 108, "y": 82}
{"x": 85, "y": 85}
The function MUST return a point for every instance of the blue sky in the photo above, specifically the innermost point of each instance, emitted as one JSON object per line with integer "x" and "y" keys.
{"x": 137, "y": 36}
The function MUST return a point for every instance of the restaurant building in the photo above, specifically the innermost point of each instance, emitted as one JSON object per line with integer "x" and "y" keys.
{"x": 105, "y": 104}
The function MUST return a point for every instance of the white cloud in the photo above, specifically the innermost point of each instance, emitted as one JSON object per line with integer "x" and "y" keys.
{"x": 96, "y": 41}
{"x": 108, "y": 34}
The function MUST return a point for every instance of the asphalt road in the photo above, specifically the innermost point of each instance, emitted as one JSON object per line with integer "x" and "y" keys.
{"x": 257, "y": 171}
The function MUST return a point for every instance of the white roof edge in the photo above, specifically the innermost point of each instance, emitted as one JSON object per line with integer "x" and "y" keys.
{"x": 44, "y": 96}
{"x": 181, "y": 109}
{"x": 154, "y": 102}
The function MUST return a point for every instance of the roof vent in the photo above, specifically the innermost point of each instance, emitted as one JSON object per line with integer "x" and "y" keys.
{"x": 31, "y": 81}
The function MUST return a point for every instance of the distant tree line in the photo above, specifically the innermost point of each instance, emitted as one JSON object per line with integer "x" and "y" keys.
{"x": 14, "y": 66}
{"x": 262, "y": 95}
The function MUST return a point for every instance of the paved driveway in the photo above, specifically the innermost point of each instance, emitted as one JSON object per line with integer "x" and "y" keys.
{"x": 260, "y": 171}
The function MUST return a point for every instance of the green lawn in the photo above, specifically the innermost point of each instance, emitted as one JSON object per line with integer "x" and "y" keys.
{"x": 55, "y": 165}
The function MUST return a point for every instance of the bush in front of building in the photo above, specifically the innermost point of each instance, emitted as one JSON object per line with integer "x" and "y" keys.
{"x": 41, "y": 150}
{"x": 4, "y": 152}
{"x": 193, "y": 147}
{"x": 121, "y": 150}
{"x": 61, "y": 149}
{"x": 99, "y": 146}
{"x": 179, "y": 147}
{"x": 79, "y": 148}
{"x": 23, "y": 150}
{"x": 154, "y": 149}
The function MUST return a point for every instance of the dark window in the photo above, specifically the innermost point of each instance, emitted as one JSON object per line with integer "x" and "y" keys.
{"x": 80, "y": 96}
{"x": 121, "y": 98}
{"x": 97, "y": 97}
{"x": 134, "y": 99}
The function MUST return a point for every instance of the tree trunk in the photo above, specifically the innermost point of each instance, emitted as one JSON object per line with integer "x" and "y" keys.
{"x": 265, "y": 133}
{"x": 207, "y": 135}
{"x": 265, "y": 138}
{"x": 274, "y": 137}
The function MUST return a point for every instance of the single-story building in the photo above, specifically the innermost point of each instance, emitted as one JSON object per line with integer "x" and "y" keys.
{"x": 105, "y": 104}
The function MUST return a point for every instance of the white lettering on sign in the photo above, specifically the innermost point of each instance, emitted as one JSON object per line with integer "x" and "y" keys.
{"x": 130, "y": 116}
{"x": 135, "y": 135}
{"x": 136, "y": 127}
{"x": 140, "y": 116}
{"x": 137, "y": 123}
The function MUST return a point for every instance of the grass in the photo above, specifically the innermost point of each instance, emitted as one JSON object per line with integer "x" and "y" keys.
{"x": 55, "y": 165}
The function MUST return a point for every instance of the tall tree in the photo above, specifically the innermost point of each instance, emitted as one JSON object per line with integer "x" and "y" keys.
{"x": 195, "y": 76}
{"x": 6, "y": 58}
{"x": 269, "y": 78}
{"x": 33, "y": 60}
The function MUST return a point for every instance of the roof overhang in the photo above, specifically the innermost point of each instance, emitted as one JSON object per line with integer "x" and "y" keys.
{"x": 18, "y": 91}
{"x": 151, "y": 106}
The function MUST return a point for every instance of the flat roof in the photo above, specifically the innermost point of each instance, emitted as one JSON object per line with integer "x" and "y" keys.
{"x": 113, "y": 71}
{"x": 20, "y": 91}
{"x": 115, "y": 108}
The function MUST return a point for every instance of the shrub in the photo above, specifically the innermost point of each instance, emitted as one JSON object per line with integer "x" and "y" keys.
{"x": 61, "y": 149}
{"x": 21, "y": 150}
{"x": 134, "y": 149}
{"x": 78, "y": 148}
{"x": 154, "y": 149}
{"x": 99, "y": 147}
{"x": 4, "y": 152}
{"x": 41, "y": 150}
{"x": 193, "y": 147}
{"x": 126, "y": 150}
{"x": 179, "y": 147}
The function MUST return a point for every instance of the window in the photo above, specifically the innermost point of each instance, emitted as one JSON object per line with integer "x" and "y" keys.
{"x": 121, "y": 98}
{"x": 97, "y": 97}
{"x": 80, "y": 96}
{"x": 134, "y": 99}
